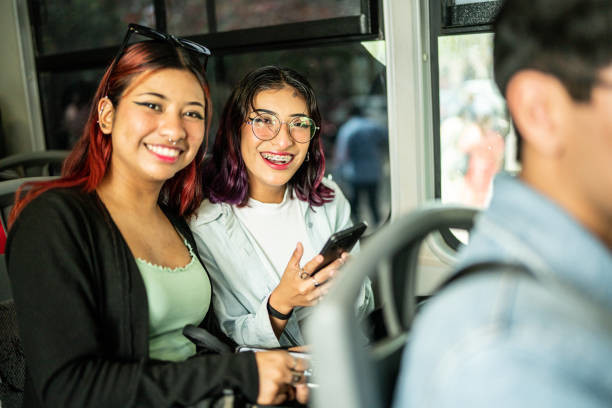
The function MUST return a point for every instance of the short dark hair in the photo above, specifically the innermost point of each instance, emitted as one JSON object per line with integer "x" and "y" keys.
{"x": 225, "y": 174}
{"x": 569, "y": 39}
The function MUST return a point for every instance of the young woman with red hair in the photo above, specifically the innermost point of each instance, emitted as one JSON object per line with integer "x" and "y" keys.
{"x": 102, "y": 263}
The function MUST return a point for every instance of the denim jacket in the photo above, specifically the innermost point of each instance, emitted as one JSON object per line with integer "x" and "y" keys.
{"x": 243, "y": 278}
{"x": 507, "y": 340}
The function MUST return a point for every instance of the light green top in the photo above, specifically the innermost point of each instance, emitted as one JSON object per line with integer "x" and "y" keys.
{"x": 177, "y": 296}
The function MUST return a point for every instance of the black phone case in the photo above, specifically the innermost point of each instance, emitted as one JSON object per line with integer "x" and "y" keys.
{"x": 341, "y": 241}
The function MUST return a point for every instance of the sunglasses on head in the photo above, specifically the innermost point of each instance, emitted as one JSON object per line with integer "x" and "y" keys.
{"x": 191, "y": 46}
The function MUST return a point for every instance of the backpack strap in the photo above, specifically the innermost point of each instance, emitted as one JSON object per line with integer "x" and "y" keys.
{"x": 485, "y": 267}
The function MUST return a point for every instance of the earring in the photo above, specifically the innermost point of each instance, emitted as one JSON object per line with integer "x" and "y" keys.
{"x": 307, "y": 156}
{"x": 170, "y": 140}
{"x": 100, "y": 117}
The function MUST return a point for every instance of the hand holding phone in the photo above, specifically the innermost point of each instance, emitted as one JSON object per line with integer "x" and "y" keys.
{"x": 298, "y": 286}
{"x": 339, "y": 242}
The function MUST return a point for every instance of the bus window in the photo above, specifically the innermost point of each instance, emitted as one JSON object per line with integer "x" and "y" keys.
{"x": 473, "y": 119}
{"x": 188, "y": 17}
{"x": 66, "y": 104}
{"x": 84, "y": 25}
{"x": 473, "y": 134}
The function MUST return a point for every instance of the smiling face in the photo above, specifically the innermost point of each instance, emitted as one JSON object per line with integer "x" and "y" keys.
{"x": 157, "y": 127}
{"x": 272, "y": 163}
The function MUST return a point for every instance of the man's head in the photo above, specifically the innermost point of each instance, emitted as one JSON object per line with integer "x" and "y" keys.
{"x": 569, "y": 39}
{"x": 553, "y": 62}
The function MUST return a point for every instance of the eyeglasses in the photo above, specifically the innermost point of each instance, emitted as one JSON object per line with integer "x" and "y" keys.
{"x": 266, "y": 126}
{"x": 191, "y": 46}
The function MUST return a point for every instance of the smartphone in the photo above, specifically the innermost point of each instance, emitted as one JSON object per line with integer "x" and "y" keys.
{"x": 339, "y": 242}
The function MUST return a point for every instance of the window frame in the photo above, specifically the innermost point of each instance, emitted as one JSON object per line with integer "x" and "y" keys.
{"x": 447, "y": 18}
{"x": 363, "y": 27}
{"x": 368, "y": 25}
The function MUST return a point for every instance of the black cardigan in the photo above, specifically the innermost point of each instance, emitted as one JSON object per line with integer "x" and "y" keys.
{"x": 84, "y": 320}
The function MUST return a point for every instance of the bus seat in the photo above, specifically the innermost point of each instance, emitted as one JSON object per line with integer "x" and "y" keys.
{"x": 32, "y": 164}
{"x": 348, "y": 373}
{"x": 12, "y": 362}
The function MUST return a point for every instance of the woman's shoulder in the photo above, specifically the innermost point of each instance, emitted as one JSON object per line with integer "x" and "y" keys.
{"x": 330, "y": 183}
{"x": 59, "y": 198}
{"x": 67, "y": 211}
{"x": 207, "y": 213}
{"x": 65, "y": 203}
{"x": 339, "y": 198}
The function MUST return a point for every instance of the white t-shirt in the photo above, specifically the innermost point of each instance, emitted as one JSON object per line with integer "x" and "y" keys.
{"x": 277, "y": 228}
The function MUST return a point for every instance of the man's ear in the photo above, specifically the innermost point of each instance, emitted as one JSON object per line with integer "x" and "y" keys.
{"x": 106, "y": 115}
{"x": 538, "y": 103}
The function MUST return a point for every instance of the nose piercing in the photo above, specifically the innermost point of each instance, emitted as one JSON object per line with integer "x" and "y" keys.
{"x": 170, "y": 140}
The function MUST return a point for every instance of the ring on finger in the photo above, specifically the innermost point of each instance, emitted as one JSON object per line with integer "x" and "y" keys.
{"x": 295, "y": 361}
{"x": 304, "y": 274}
{"x": 316, "y": 282}
{"x": 296, "y": 377}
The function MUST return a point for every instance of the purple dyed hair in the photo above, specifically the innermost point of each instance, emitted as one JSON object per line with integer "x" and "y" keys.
{"x": 225, "y": 174}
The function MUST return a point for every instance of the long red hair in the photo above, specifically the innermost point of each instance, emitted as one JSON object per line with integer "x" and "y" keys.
{"x": 88, "y": 162}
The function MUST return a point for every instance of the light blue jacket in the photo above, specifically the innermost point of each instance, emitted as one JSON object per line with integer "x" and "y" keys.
{"x": 243, "y": 278}
{"x": 506, "y": 340}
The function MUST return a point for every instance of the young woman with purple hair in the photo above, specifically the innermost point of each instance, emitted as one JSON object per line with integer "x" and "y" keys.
{"x": 268, "y": 207}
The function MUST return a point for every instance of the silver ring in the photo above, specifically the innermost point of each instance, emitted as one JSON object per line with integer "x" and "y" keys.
{"x": 296, "y": 377}
{"x": 304, "y": 274}
{"x": 295, "y": 361}
{"x": 316, "y": 282}
{"x": 170, "y": 140}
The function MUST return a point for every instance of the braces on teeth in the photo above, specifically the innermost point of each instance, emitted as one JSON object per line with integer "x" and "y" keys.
{"x": 278, "y": 158}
